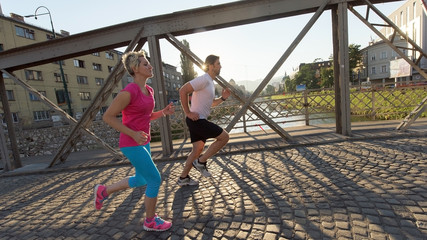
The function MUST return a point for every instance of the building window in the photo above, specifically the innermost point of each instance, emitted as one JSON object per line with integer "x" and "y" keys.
{"x": 109, "y": 55}
{"x": 33, "y": 75}
{"x": 79, "y": 63}
{"x": 24, "y": 32}
{"x": 383, "y": 55}
{"x": 10, "y": 95}
{"x": 97, "y": 67}
{"x": 62, "y": 62}
{"x": 82, "y": 80}
{"x": 50, "y": 37}
{"x": 84, "y": 95}
{"x": 14, "y": 118}
{"x": 34, "y": 97}
{"x": 373, "y": 57}
{"x": 41, "y": 115}
{"x": 110, "y": 69}
{"x": 373, "y": 70}
{"x": 103, "y": 110}
{"x": 60, "y": 97}
{"x": 99, "y": 81}
{"x": 1, "y": 47}
{"x": 58, "y": 77}
{"x": 95, "y": 54}
{"x": 384, "y": 68}
{"x": 401, "y": 19}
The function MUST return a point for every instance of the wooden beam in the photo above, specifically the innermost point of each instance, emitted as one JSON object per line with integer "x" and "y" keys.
{"x": 178, "y": 23}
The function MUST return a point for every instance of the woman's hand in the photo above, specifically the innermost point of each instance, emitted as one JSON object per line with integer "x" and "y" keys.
{"x": 169, "y": 109}
{"x": 140, "y": 137}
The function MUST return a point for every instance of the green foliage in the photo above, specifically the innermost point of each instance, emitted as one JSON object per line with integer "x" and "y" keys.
{"x": 355, "y": 55}
{"x": 327, "y": 77}
{"x": 289, "y": 84}
{"x": 387, "y": 105}
{"x": 307, "y": 75}
{"x": 187, "y": 66}
{"x": 270, "y": 90}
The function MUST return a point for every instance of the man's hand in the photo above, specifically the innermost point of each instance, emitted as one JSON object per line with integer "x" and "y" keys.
{"x": 193, "y": 116}
{"x": 226, "y": 93}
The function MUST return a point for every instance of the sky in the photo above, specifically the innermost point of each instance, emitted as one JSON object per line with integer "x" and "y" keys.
{"x": 247, "y": 53}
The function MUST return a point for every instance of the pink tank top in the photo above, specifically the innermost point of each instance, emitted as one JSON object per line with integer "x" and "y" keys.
{"x": 137, "y": 114}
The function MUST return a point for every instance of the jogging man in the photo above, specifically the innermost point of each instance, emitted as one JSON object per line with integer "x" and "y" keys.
{"x": 203, "y": 98}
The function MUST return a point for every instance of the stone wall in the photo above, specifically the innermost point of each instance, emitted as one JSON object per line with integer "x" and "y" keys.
{"x": 47, "y": 141}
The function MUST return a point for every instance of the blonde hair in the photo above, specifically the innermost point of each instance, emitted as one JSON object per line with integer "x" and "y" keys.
{"x": 131, "y": 60}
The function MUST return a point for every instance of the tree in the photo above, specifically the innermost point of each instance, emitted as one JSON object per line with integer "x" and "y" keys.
{"x": 355, "y": 58}
{"x": 187, "y": 67}
{"x": 327, "y": 77}
{"x": 355, "y": 55}
{"x": 307, "y": 75}
{"x": 269, "y": 90}
{"x": 289, "y": 86}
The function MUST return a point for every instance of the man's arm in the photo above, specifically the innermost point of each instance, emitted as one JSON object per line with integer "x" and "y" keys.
{"x": 184, "y": 91}
{"x": 225, "y": 94}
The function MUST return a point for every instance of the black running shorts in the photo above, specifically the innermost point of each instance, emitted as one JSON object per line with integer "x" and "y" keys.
{"x": 202, "y": 129}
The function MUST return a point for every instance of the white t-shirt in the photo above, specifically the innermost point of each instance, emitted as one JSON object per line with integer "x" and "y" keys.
{"x": 203, "y": 95}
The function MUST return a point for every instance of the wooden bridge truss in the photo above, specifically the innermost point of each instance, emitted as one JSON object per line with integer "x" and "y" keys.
{"x": 169, "y": 26}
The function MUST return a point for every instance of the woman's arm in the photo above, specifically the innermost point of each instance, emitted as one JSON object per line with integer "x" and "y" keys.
{"x": 168, "y": 110}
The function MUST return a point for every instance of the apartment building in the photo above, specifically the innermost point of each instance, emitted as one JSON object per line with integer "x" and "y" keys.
{"x": 84, "y": 76}
{"x": 378, "y": 56}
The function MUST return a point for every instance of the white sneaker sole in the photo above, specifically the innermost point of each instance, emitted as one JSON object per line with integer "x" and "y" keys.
{"x": 155, "y": 230}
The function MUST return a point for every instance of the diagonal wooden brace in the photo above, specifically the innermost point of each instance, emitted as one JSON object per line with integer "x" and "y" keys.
{"x": 258, "y": 112}
{"x": 58, "y": 110}
{"x": 113, "y": 79}
{"x": 279, "y": 63}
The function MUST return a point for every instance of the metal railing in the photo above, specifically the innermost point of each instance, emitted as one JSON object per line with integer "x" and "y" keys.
{"x": 311, "y": 107}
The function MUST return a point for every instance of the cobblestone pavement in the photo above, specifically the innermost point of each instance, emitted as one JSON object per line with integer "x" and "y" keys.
{"x": 364, "y": 189}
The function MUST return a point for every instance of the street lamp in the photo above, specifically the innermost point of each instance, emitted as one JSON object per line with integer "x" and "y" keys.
{"x": 67, "y": 98}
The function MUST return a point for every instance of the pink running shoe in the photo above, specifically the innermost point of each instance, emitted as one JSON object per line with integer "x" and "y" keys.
{"x": 100, "y": 194}
{"x": 157, "y": 224}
